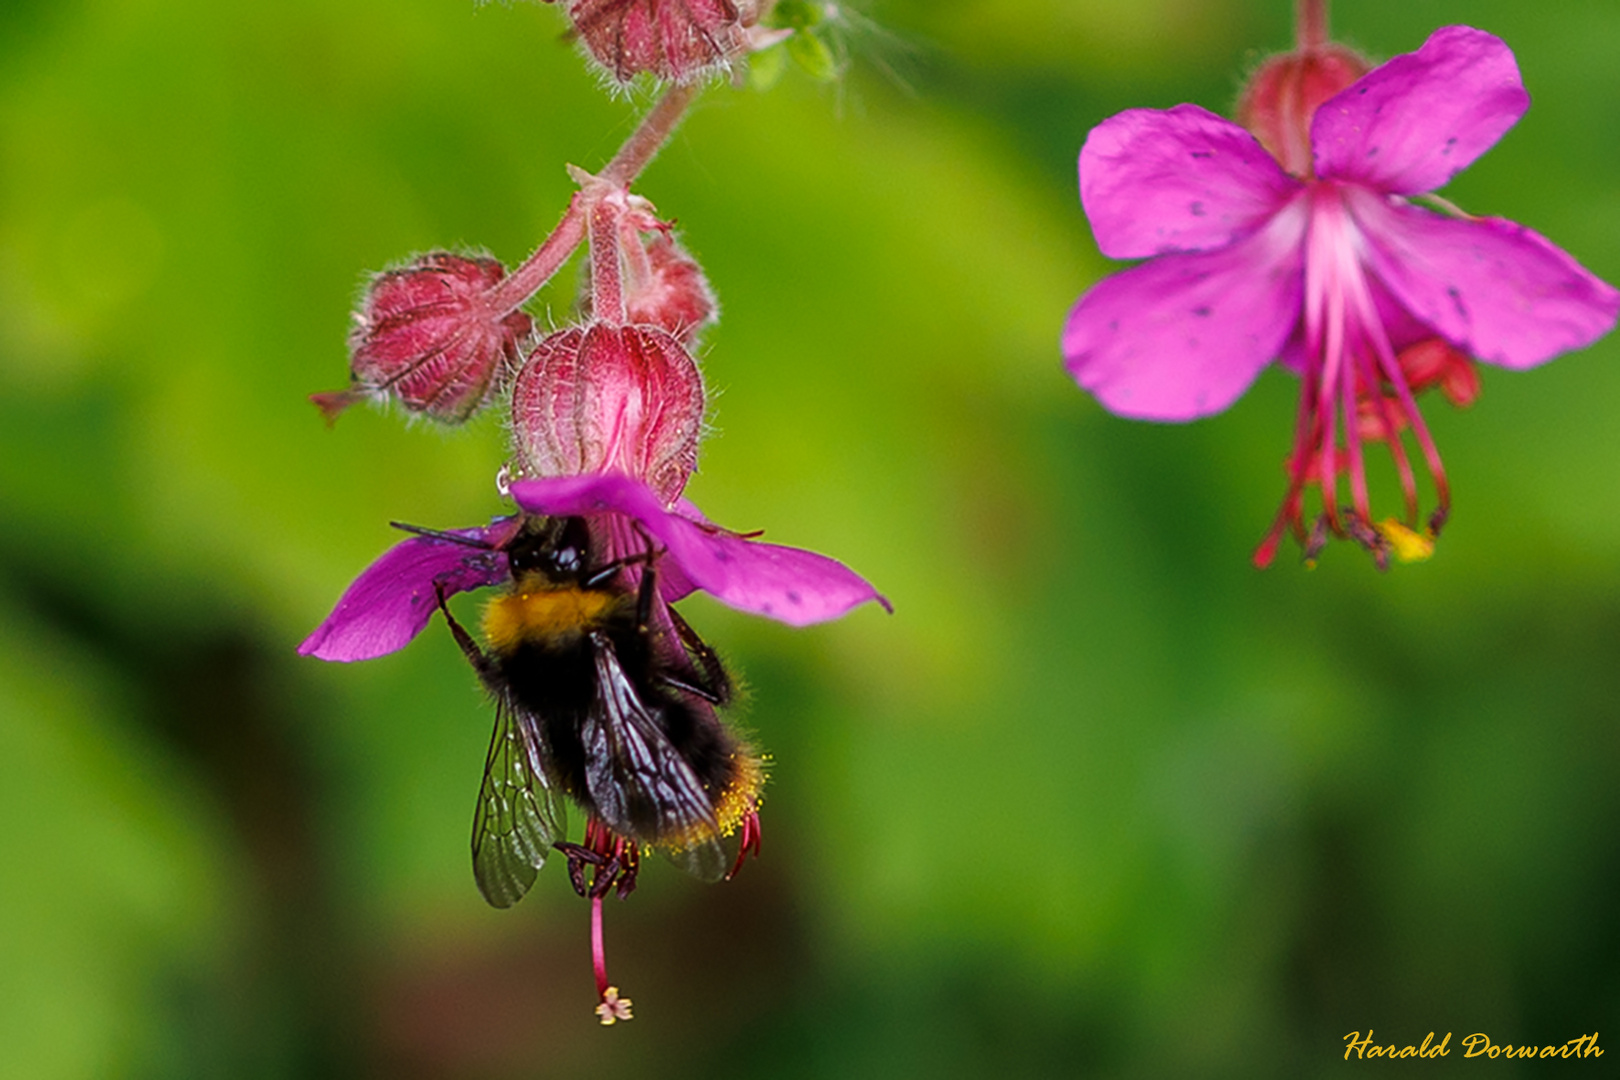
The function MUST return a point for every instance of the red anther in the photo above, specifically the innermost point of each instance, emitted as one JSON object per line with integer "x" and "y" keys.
{"x": 1434, "y": 362}
{"x": 749, "y": 842}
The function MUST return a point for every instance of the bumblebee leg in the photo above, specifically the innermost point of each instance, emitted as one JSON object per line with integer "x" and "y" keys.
{"x": 644, "y": 598}
{"x": 440, "y": 534}
{"x": 578, "y": 856}
{"x": 604, "y": 573}
{"x": 689, "y": 688}
{"x": 469, "y": 648}
{"x": 646, "y": 558}
{"x": 718, "y": 689}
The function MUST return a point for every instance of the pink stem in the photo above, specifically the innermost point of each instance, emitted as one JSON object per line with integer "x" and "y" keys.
{"x": 607, "y": 297}
{"x": 639, "y": 149}
{"x": 1425, "y": 441}
{"x": 598, "y": 954}
{"x": 1307, "y": 424}
{"x": 1391, "y": 366}
{"x": 649, "y": 137}
{"x": 1311, "y": 24}
{"x": 1332, "y": 358}
{"x": 526, "y": 280}
{"x": 1397, "y": 450}
{"x": 749, "y": 842}
{"x": 638, "y": 272}
{"x": 1352, "y": 440}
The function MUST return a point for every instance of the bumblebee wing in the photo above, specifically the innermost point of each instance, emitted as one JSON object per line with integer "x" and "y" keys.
{"x": 519, "y": 813}
{"x": 642, "y": 787}
{"x": 707, "y": 860}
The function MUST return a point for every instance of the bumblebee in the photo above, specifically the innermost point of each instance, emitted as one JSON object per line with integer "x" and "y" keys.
{"x": 603, "y": 695}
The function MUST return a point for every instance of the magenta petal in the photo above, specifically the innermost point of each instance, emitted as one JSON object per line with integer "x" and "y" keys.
{"x": 1412, "y": 124}
{"x": 673, "y": 583}
{"x": 786, "y": 584}
{"x": 1500, "y": 291}
{"x": 1182, "y": 336}
{"x": 623, "y": 540}
{"x": 394, "y": 598}
{"x": 1182, "y": 179}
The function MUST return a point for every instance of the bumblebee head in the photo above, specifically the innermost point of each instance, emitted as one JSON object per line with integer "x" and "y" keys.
{"x": 557, "y": 548}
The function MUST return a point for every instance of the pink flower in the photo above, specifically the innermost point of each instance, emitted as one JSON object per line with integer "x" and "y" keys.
{"x": 1334, "y": 272}
{"x": 394, "y": 598}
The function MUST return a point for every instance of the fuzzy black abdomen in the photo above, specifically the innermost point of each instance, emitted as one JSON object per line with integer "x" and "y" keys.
{"x": 556, "y": 685}
{"x": 556, "y": 681}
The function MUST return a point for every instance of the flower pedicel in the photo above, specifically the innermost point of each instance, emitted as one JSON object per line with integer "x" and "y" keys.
{"x": 1299, "y": 240}
{"x": 604, "y": 695}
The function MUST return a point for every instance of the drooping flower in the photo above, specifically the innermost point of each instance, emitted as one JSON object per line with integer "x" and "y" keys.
{"x": 395, "y": 598}
{"x": 1332, "y": 269}
{"x": 430, "y": 337}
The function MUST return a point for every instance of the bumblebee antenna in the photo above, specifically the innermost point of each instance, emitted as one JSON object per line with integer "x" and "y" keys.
{"x": 450, "y": 537}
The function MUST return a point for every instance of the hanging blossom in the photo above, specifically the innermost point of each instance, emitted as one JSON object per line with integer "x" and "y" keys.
{"x": 1301, "y": 240}
{"x": 605, "y": 418}
{"x": 395, "y": 598}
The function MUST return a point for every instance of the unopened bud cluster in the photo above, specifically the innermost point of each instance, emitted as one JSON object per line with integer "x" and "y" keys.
{"x": 618, "y": 392}
{"x": 445, "y": 335}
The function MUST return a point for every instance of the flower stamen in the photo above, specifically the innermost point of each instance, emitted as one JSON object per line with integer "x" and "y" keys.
{"x": 1354, "y": 377}
{"x": 748, "y": 843}
{"x": 614, "y": 862}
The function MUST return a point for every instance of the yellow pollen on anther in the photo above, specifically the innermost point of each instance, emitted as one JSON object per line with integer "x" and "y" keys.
{"x": 740, "y": 798}
{"x": 613, "y": 1007}
{"x": 1407, "y": 544}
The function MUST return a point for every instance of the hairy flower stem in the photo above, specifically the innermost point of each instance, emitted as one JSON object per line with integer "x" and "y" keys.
{"x": 639, "y": 149}
{"x": 650, "y": 136}
{"x": 526, "y": 280}
{"x": 607, "y": 295}
{"x": 1311, "y": 24}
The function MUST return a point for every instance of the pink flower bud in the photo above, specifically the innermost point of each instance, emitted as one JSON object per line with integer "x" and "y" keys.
{"x": 663, "y": 285}
{"x": 605, "y": 398}
{"x": 1283, "y": 95}
{"x": 428, "y": 337}
{"x": 675, "y": 40}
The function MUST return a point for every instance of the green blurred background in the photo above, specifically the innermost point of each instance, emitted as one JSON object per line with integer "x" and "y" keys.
{"x": 1098, "y": 799}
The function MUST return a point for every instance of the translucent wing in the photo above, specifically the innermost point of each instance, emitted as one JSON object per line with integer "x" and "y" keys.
{"x": 519, "y": 813}
{"x": 707, "y": 860}
{"x": 641, "y": 785}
